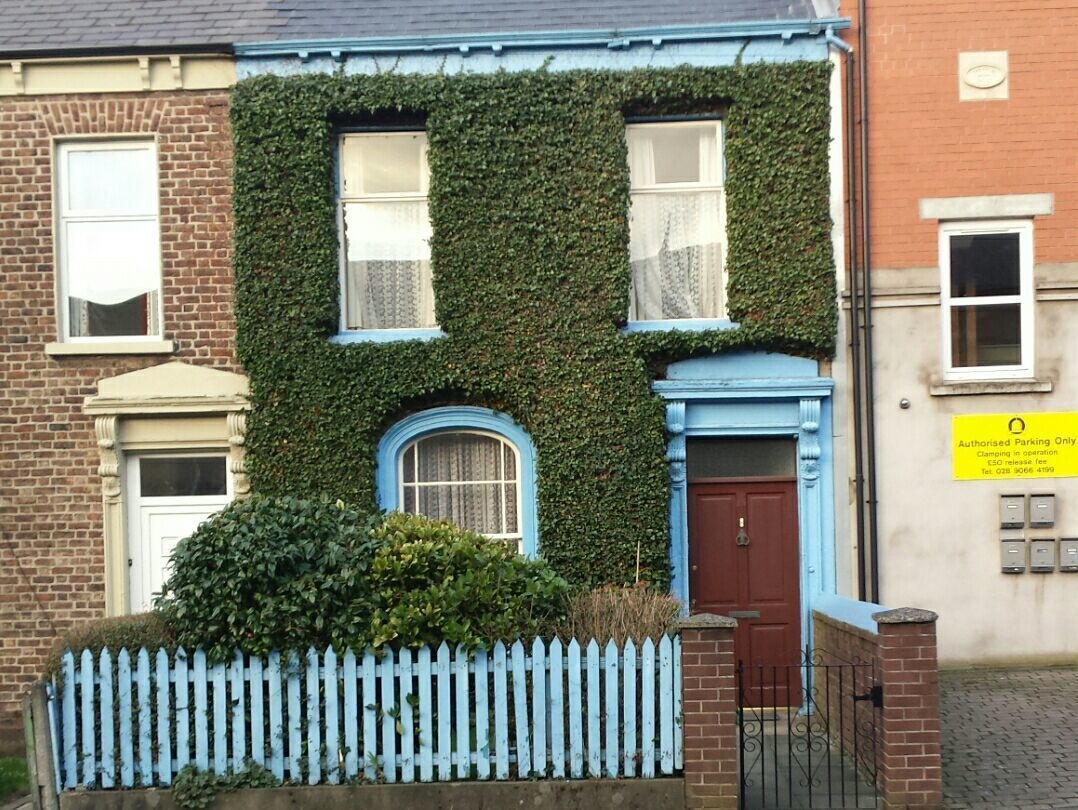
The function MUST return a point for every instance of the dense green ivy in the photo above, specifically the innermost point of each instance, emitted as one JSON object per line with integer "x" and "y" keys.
{"x": 528, "y": 200}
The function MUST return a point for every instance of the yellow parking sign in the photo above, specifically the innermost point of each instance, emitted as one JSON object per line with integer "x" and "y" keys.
{"x": 1015, "y": 445}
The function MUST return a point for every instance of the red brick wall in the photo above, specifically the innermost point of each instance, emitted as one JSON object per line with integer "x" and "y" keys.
{"x": 839, "y": 645}
{"x": 924, "y": 142}
{"x": 910, "y": 768}
{"x": 51, "y": 536}
{"x": 709, "y": 709}
{"x": 907, "y": 740}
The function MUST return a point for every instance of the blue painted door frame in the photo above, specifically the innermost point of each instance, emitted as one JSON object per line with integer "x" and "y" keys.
{"x": 757, "y": 395}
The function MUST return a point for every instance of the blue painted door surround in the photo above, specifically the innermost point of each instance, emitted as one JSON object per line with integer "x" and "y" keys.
{"x": 756, "y": 394}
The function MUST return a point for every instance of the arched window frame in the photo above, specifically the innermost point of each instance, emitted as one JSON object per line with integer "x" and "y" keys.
{"x": 460, "y": 419}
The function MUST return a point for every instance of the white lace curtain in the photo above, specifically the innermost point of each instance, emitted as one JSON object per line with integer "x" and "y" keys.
{"x": 467, "y": 478}
{"x": 388, "y": 283}
{"x": 676, "y": 238}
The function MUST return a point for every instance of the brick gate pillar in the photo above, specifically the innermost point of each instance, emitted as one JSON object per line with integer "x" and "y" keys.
{"x": 709, "y": 712}
{"x": 910, "y": 771}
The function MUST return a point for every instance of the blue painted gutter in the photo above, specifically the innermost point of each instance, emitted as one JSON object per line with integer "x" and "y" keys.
{"x": 614, "y": 39}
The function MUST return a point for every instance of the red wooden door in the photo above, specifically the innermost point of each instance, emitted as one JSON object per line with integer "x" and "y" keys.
{"x": 743, "y": 561}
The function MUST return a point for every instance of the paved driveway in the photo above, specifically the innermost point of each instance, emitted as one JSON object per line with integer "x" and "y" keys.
{"x": 1010, "y": 738}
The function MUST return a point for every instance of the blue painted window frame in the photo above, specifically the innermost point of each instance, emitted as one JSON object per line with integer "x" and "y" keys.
{"x": 346, "y": 336}
{"x": 461, "y": 418}
{"x": 687, "y": 324}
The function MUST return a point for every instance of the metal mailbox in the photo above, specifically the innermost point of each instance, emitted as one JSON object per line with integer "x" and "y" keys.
{"x": 1068, "y": 554}
{"x": 1013, "y": 556}
{"x": 1042, "y": 511}
{"x": 1012, "y": 511}
{"x": 1042, "y": 555}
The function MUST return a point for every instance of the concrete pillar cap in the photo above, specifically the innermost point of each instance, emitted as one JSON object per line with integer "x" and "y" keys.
{"x": 905, "y": 615}
{"x": 706, "y": 621}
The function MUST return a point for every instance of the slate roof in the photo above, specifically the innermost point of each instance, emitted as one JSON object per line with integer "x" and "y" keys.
{"x": 83, "y": 25}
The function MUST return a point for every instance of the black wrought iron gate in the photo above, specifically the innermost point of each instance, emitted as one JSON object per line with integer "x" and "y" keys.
{"x": 819, "y": 752}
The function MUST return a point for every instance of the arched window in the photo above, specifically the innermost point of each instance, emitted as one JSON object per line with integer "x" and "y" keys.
{"x": 471, "y": 466}
{"x": 467, "y": 477}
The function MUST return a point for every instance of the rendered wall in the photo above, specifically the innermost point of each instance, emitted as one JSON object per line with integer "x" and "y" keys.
{"x": 939, "y": 538}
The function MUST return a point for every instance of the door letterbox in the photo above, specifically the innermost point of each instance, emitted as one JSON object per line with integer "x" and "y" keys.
{"x": 1013, "y": 556}
{"x": 1042, "y": 555}
{"x": 1012, "y": 511}
{"x": 1042, "y": 511}
{"x": 1068, "y": 554}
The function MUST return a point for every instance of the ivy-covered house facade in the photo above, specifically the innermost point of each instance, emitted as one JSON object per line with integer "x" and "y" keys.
{"x": 566, "y": 276}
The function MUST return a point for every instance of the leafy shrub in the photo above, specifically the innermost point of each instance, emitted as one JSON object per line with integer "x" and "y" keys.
{"x": 433, "y": 581}
{"x": 283, "y": 573}
{"x": 269, "y": 573}
{"x": 147, "y": 630}
{"x": 612, "y": 612}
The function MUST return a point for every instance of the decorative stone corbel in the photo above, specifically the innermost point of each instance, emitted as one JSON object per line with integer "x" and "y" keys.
{"x": 177, "y": 72}
{"x": 17, "y": 78}
{"x": 144, "y": 71}
{"x": 237, "y": 464}
{"x": 675, "y": 447}
{"x": 109, "y": 468}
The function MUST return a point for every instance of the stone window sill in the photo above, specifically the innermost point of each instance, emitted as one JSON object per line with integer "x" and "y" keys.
{"x": 950, "y": 389}
{"x": 117, "y": 347}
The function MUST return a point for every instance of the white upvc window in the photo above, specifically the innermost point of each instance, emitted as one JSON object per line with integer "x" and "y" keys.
{"x": 108, "y": 240}
{"x": 385, "y": 225}
{"x": 677, "y": 243}
{"x": 986, "y": 296}
{"x": 470, "y": 478}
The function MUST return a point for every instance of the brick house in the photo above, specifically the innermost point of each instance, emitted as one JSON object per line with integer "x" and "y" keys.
{"x": 115, "y": 149}
{"x": 124, "y": 397}
{"x": 971, "y": 272}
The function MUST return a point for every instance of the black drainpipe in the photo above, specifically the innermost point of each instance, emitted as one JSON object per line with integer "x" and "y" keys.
{"x": 866, "y": 264}
{"x": 855, "y": 327}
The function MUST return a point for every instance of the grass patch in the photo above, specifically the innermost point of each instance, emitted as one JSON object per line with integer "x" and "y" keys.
{"x": 13, "y": 778}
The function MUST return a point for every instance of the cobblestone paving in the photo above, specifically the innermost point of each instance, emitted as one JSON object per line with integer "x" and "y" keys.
{"x": 1010, "y": 738}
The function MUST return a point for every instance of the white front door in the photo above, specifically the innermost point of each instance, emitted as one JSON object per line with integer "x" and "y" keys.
{"x": 169, "y": 497}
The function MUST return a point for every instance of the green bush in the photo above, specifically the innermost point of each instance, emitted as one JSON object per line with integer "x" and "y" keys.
{"x": 433, "y": 581}
{"x": 284, "y": 573}
{"x": 147, "y": 630}
{"x": 269, "y": 573}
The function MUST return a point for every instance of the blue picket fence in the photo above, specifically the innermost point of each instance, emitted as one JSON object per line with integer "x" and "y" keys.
{"x": 514, "y": 712}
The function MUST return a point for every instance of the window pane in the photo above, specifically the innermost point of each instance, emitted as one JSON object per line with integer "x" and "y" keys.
{"x": 985, "y": 264}
{"x": 509, "y": 471}
{"x": 673, "y": 153}
{"x": 511, "y": 526}
{"x": 111, "y": 262}
{"x": 110, "y": 181}
{"x": 181, "y": 477}
{"x": 676, "y": 254}
{"x": 740, "y": 458}
{"x": 388, "y": 283}
{"x": 408, "y": 465}
{"x": 131, "y": 317}
{"x": 396, "y": 231}
{"x": 472, "y": 506}
{"x": 389, "y": 163}
{"x": 446, "y": 457}
{"x": 986, "y": 335}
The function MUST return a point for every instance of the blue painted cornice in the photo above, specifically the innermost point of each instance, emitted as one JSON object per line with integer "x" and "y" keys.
{"x": 613, "y": 39}
{"x": 744, "y": 389}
